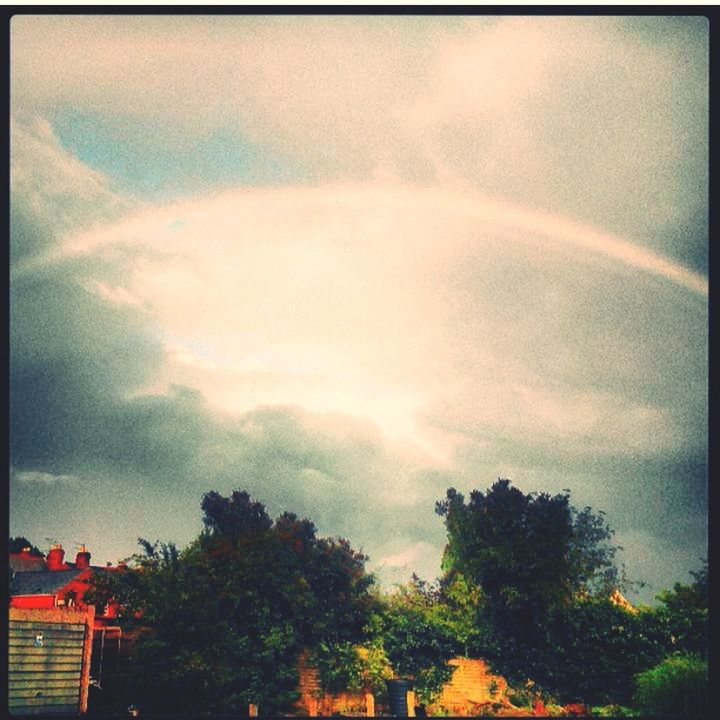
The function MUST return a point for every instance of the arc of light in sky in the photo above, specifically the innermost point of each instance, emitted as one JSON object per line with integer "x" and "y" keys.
{"x": 537, "y": 224}
{"x": 556, "y": 227}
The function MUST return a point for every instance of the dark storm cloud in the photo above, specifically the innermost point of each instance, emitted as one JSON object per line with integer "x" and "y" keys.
{"x": 71, "y": 357}
{"x": 29, "y": 235}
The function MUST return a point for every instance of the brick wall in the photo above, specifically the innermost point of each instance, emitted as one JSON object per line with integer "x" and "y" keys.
{"x": 472, "y": 684}
{"x": 314, "y": 702}
{"x": 471, "y": 687}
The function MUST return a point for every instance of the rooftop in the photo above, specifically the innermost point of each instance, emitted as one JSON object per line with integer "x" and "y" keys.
{"x": 44, "y": 582}
{"x": 24, "y": 562}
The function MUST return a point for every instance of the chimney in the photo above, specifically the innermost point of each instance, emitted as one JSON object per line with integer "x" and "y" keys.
{"x": 82, "y": 559}
{"x": 55, "y": 557}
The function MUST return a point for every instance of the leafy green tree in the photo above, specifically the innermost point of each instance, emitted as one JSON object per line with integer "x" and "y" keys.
{"x": 531, "y": 557}
{"x": 595, "y": 648}
{"x": 419, "y": 636}
{"x": 684, "y": 614}
{"x": 226, "y": 618}
{"x": 528, "y": 553}
{"x": 462, "y": 605}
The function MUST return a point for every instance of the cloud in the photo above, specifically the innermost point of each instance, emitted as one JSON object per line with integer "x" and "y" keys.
{"x": 52, "y": 192}
{"x": 43, "y": 478}
{"x": 315, "y": 350}
{"x": 600, "y": 119}
{"x": 339, "y": 315}
{"x": 461, "y": 294}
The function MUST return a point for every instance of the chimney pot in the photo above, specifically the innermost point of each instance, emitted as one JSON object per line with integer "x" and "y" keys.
{"x": 55, "y": 557}
{"x": 82, "y": 559}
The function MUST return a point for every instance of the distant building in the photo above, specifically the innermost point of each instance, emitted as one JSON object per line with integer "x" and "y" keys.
{"x": 25, "y": 561}
{"x": 49, "y": 584}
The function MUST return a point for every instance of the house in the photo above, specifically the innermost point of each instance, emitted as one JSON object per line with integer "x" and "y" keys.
{"x": 51, "y": 584}
{"x": 25, "y": 561}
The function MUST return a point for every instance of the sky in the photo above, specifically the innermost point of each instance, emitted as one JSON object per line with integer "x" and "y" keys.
{"x": 347, "y": 262}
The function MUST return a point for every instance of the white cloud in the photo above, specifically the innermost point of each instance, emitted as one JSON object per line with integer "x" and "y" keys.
{"x": 421, "y": 558}
{"x": 579, "y": 422}
{"x": 43, "y": 478}
{"x": 46, "y": 175}
{"x": 583, "y": 115}
{"x": 55, "y": 193}
{"x": 115, "y": 295}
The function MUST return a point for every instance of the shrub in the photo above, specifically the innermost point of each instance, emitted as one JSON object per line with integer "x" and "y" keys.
{"x": 613, "y": 711}
{"x": 677, "y": 686}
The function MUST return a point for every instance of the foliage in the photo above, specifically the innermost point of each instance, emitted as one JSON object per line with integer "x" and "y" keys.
{"x": 594, "y": 649}
{"x": 339, "y": 666}
{"x": 375, "y": 665}
{"x": 526, "y": 586}
{"x": 530, "y": 554}
{"x": 461, "y": 605}
{"x": 543, "y": 571}
{"x": 228, "y": 616}
{"x": 677, "y": 686}
{"x": 684, "y": 614}
{"x": 613, "y": 711}
{"x": 419, "y": 637}
{"x": 346, "y": 666}
{"x": 16, "y": 545}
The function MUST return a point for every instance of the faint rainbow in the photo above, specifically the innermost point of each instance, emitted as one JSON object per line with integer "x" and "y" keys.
{"x": 560, "y": 228}
{"x": 536, "y": 223}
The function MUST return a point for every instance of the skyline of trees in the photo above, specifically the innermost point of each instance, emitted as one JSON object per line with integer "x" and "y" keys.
{"x": 526, "y": 586}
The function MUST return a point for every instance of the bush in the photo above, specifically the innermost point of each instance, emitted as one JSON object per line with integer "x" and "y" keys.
{"x": 677, "y": 686}
{"x": 419, "y": 638}
{"x": 595, "y": 649}
{"x": 613, "y": 711}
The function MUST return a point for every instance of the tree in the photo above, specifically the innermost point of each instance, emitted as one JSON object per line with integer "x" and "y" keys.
{"x": 18, "y": 544}
{"x": 463, "y": 605}
{"x": 419, "y": 636}
{"x": 684, "y": 614}
{"x": 227, "y": 617}
{"x": 594, "y": 650}
{"x": 531, "y": 556}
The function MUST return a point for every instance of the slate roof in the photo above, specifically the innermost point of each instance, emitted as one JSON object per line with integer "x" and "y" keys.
{"x": 46, "y": 582}
{"x": 27, "y": 563}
